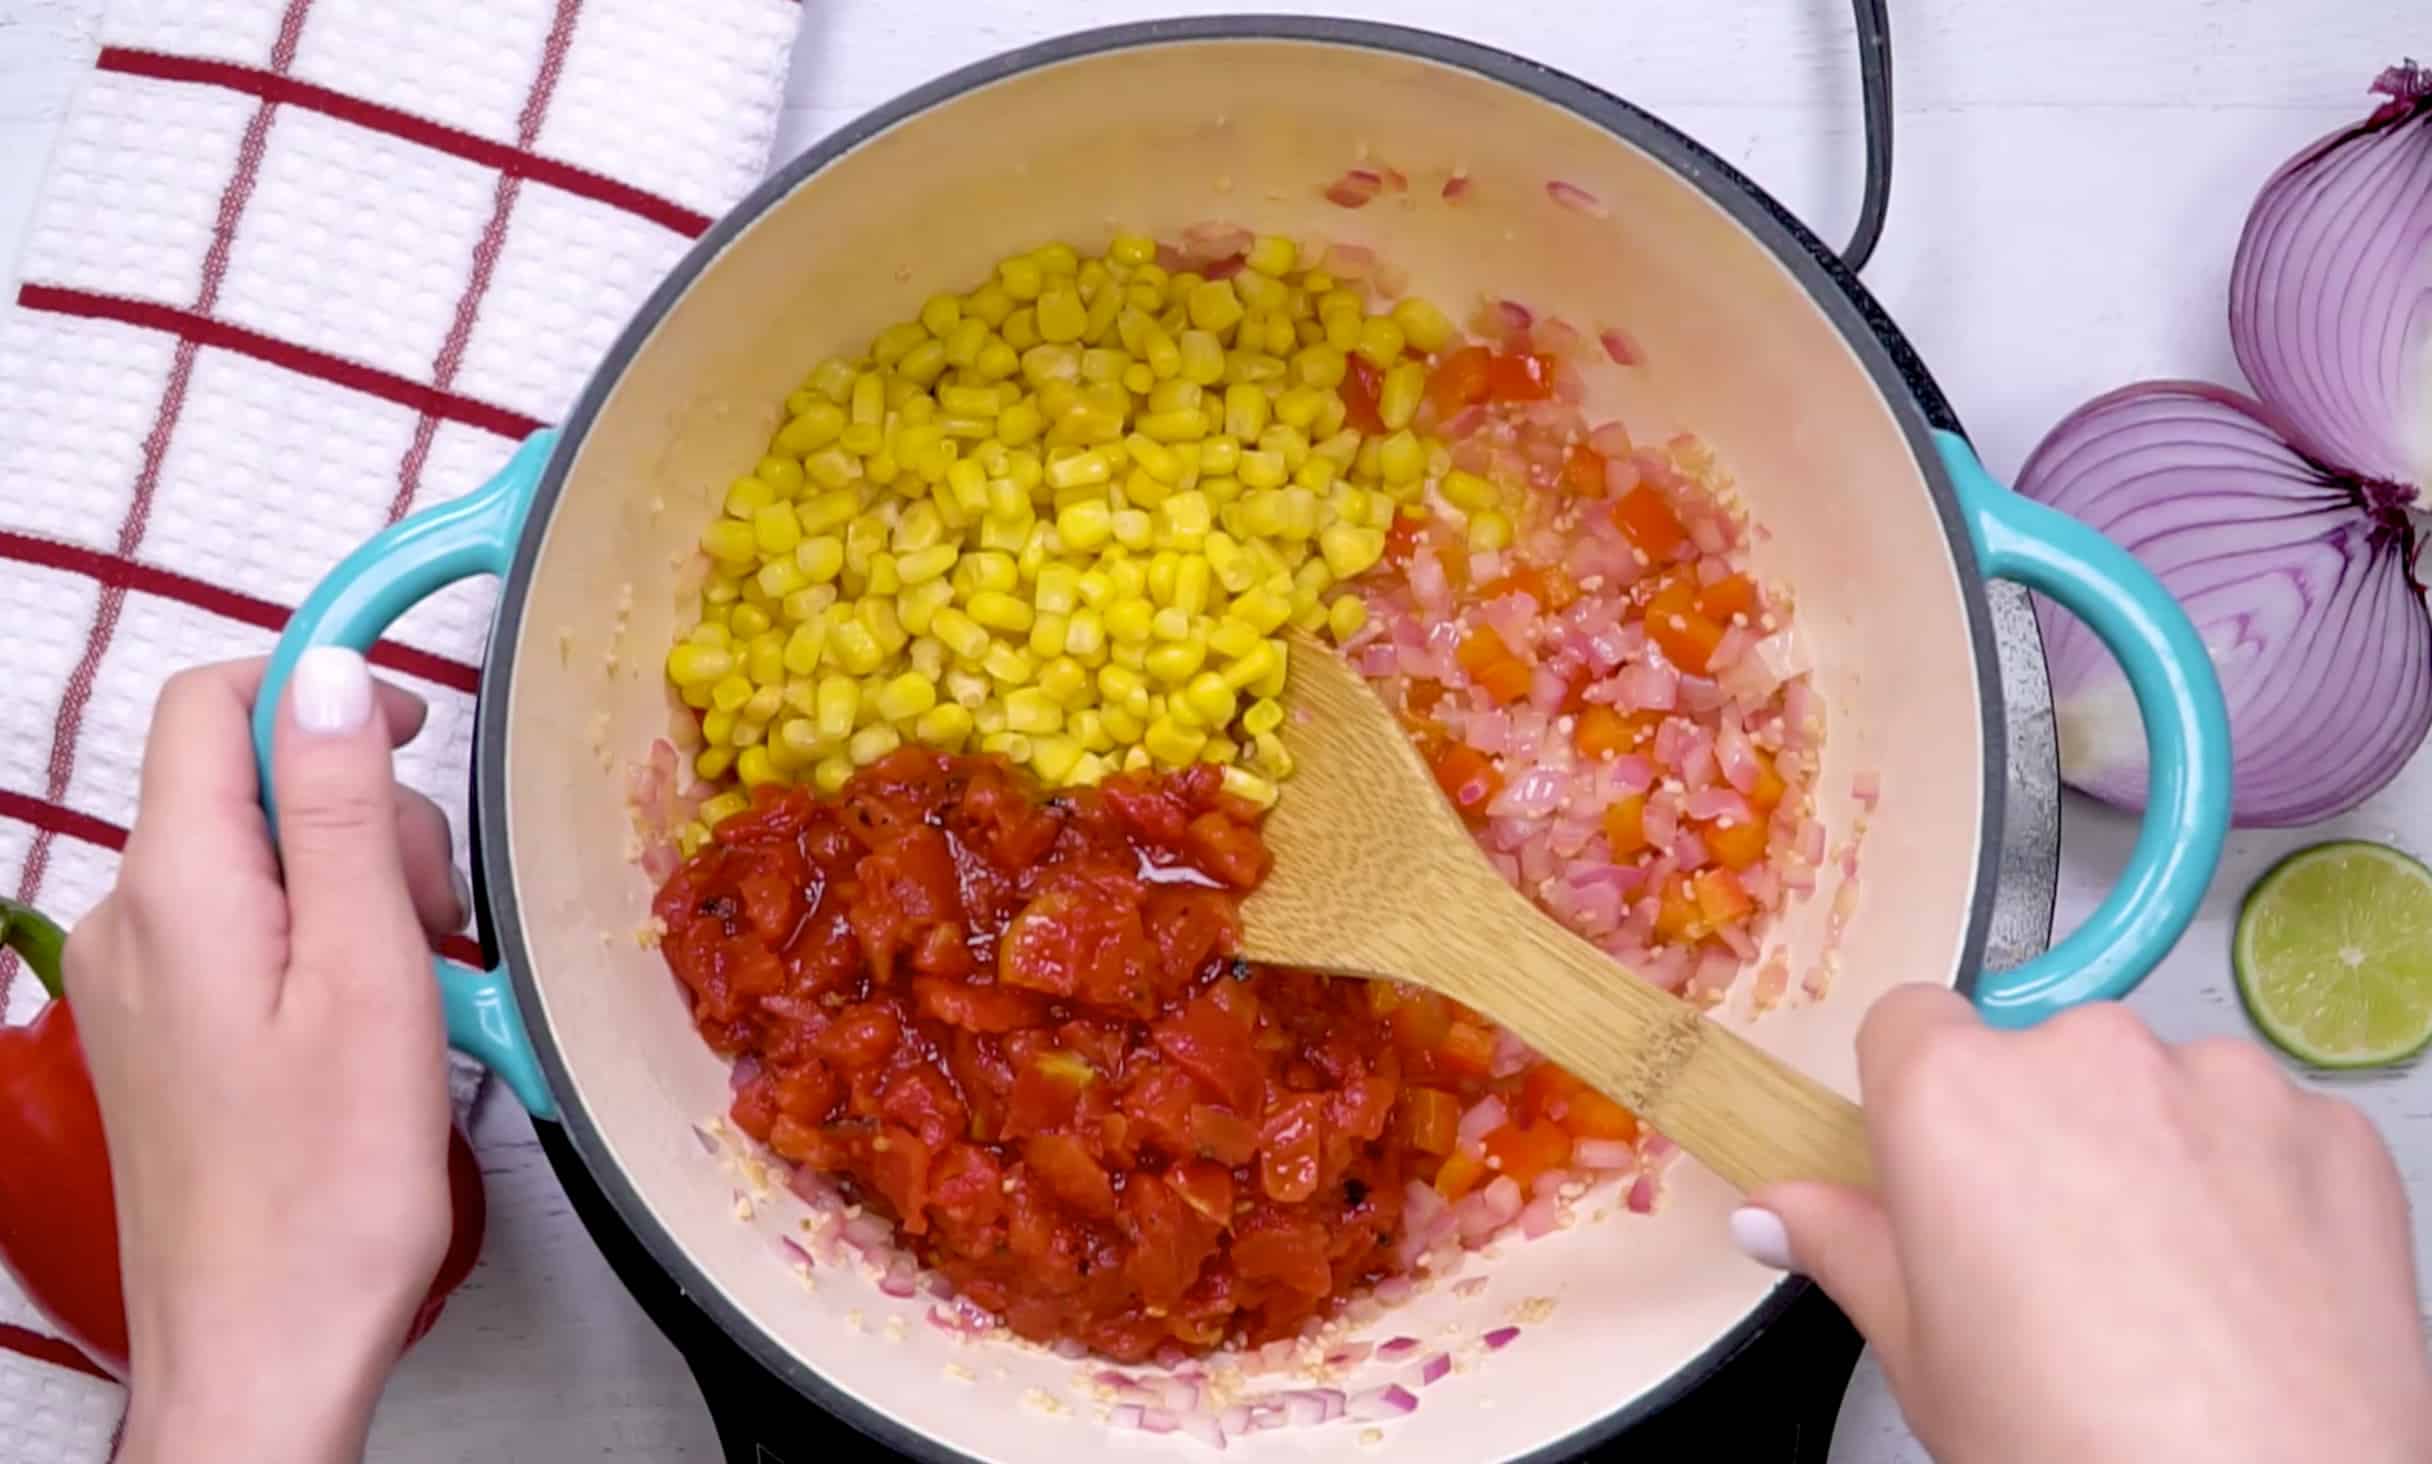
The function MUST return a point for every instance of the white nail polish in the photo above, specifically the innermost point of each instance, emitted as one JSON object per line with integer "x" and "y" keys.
{"x": 331, "y": 690}
{"x": 1760, "y": 1236}
{"x": 464, "y": 891}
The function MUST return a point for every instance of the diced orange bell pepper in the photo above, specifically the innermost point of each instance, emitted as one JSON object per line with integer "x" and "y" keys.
{"x": 1461, "y": 1173}
{"x": 1420, "y": 1022}
{"x": 1546, "y": 1091}
{"x": 1594, "y": 1116}
{"x": 1721, "y": 900}
{"x": 1431, "y": 1118}
{"x": 1676, "y": 913}
{"x": 1468, "y": 1049}
{"x": 1604, "y": 732}
{"x": 1468, "y": 777}
{"x": 1551, "y": 586}
{"x": 1523, "y": 1153}
{"x": 1769, "y": 789}
{"x": 1733, "y": 594}
{"x": 1583, "y": 471}
{"x": 1625, "y": 825}
{"x": 1735, "y": 845}
{"x": 1650, "y": 523}
{"x": 1383, "y": 997}
{"x": 1684, "y": 634}
{"x": 1492, "y": 666}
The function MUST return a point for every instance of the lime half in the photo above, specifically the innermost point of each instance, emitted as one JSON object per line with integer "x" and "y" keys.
{"x": 2334, "y": 954}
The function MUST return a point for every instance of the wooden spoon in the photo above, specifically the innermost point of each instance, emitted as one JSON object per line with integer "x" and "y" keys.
{"x": 1375, "y": 875}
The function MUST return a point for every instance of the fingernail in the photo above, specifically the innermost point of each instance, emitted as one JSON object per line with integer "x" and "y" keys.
{"x": 464, "y": 892}
{"x": 332, "y": 690}
{"x": 1759, "y": 1234}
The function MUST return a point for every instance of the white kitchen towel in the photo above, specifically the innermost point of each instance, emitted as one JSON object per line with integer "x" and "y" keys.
{"x": 298, "y": 268}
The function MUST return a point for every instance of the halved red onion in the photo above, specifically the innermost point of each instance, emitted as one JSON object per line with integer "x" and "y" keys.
{"x": 2298, "y": 578}
{"x": 2330, "y": 303}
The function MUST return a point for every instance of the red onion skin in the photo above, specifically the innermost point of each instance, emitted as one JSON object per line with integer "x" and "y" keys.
{"x": 2296, "y": 577}
{"x": 2330, "y": 302}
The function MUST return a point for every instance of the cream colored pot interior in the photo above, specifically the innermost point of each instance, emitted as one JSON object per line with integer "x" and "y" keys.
{"x": 1247, "y": 131}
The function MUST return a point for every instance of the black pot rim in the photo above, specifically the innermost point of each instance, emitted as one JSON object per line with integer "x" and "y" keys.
{"x": 1915, "y": 401}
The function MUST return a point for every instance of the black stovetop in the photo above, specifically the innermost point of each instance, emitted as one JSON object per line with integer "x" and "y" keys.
{"x": 1776, "y": 1401}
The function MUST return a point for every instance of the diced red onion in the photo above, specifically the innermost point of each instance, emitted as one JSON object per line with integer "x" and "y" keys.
{"x": 1867, "y": 788}
{"x": 1456, "y": 187}
{"x": 1540, "y": 1217}
{"x": 1500, "y": 1338}
{"x": 1393, "y": 1347}
{"x": 1128, "y": 1416}
{"x": 1394, "y": 1290}
{"x": 1483, "y": 1118}
{"x": 745, "y": 1071}
{"x": 867, "y": 1232}
{"x": 1603, "y": 1154}
{"x": 1354, "y": 189}
{"x": 1575, "y": 198}
{"x": 1649, "y": 686}
{"x": 707, "y": 1140}
{"x": 1182, "y": 1395}
{"x": 1435, "y": 1369}
{"x": 1376, "y": 1404}
{"x": 1158, "y": 1421}
{"x": 1620, "y": 347}
{"x": 1348, "y": 261}
{"x": 1715, "y": 801}
{"x": 1533, "y": 794}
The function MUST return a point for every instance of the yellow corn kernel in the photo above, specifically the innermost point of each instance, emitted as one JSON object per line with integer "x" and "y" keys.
{"x": 1007, "y": 665}
{"x": 1320, "y": 366}
{"x": 1021, "y": 328}
{"x": 944, "y": 726}
{"x": 1341, "y": 311}
{"x": 1065, "y": 679}
{"x": 1175, "y": 662}
{"x": 1489, "y": 530}
{"x": 698, "y": 665}
{"x": 717, "y": 810}
{"x": 714, "y": 634}
{"x": 1020, "y": 278}
{"x": 1350, "y": 549}
{"x": 905, "y": 697}
{"x": 811, "y": 429}
{"x": 730, "y": 541}
{"x": 1169, "y": 624}
{"x": 1031, "y": 709}
{"x": 1210, "y": 698}
{"x": 832, "y": 773}
{"x": 1298, "y": 406}
{"x": 1054, "y": 758}
{"x": 1397, "y": 397}
{"x": 961, "y": 634}
{"x": 1265, "y": 715}
{"x": 1057, "y": 591}
{"x": 836, "y": 706}
{"x": 852, "y": 647}
{"x": 1380, "y": 341}
{"x": 998, "y": 610}
{"x": 923, "y": 565}
{"x": 1215, "y": 307}
{"x": 1154, "y": 458}
{"x": 1401, "y": 460}
{"x": 1424, "y": 327}
{"x": 718, "y": 726}
{"x": 731, "y": 692}
{"x": 1346, "y": 616}
{"x": 1192, "y": 583}
{"x": 1249, "y": 787}
{"x": 1083, "y": 469}
{"x": 1245, "y": 411}
{"x": 1467, "y": 491}
{"x": 1130, "y": 620}
{"x": 1011, "y": 746}
{"x": 747, "y": 496}
{"x": 882, "y": 576}
{"x": 1084, "y": 528}
{"x": 1120, "y": 686}
{"x": 747, "y": 621}
{"x": 823, "y": 513}
{"x": 1130, "y": 527}
{"x": 1316, "y": 473}
{"x": 872, "y": 743}
{"x": 1132, "y": 249}
{"x": 1261, "y": 609}
{"x": 753, "y": 767}
{"x": 1062, "y": 318}
{"x": 1172, "y": 744}
{"x": 1262, "y": 469}
{"x": 1047, "y": 631}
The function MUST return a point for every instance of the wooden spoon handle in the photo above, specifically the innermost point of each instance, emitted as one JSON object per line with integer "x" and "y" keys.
{"x": 1745, "y": 1114}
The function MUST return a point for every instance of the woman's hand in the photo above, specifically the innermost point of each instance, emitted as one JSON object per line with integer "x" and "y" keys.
{"x": 268, "y": 1052}
{"x": 2091, "y": 1247}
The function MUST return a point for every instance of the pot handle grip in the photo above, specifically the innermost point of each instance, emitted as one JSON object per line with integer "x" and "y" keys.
{"x": 2186, "y": 739}
{"x": 392, "y": 572}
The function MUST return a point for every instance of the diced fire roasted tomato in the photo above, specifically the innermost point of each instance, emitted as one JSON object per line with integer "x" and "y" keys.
{"x": 1519, "y": 376}
{"x": 1359, "y": 388}
{"x": 1460, "y": 379}
{"x": 1101, "y": 1129}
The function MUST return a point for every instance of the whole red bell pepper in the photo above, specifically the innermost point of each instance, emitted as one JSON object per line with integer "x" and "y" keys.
{"x": 58, "y": 1222}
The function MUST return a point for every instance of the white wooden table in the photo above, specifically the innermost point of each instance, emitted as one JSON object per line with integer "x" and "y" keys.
{"x": 2071, "y": 176}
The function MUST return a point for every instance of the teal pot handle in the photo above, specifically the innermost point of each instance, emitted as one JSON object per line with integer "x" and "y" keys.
{"x": 395, "y": 570}
{"x": 2186, "y": 742}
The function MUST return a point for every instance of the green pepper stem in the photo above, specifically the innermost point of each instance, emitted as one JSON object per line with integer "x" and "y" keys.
{"x": 31, "y": 934}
